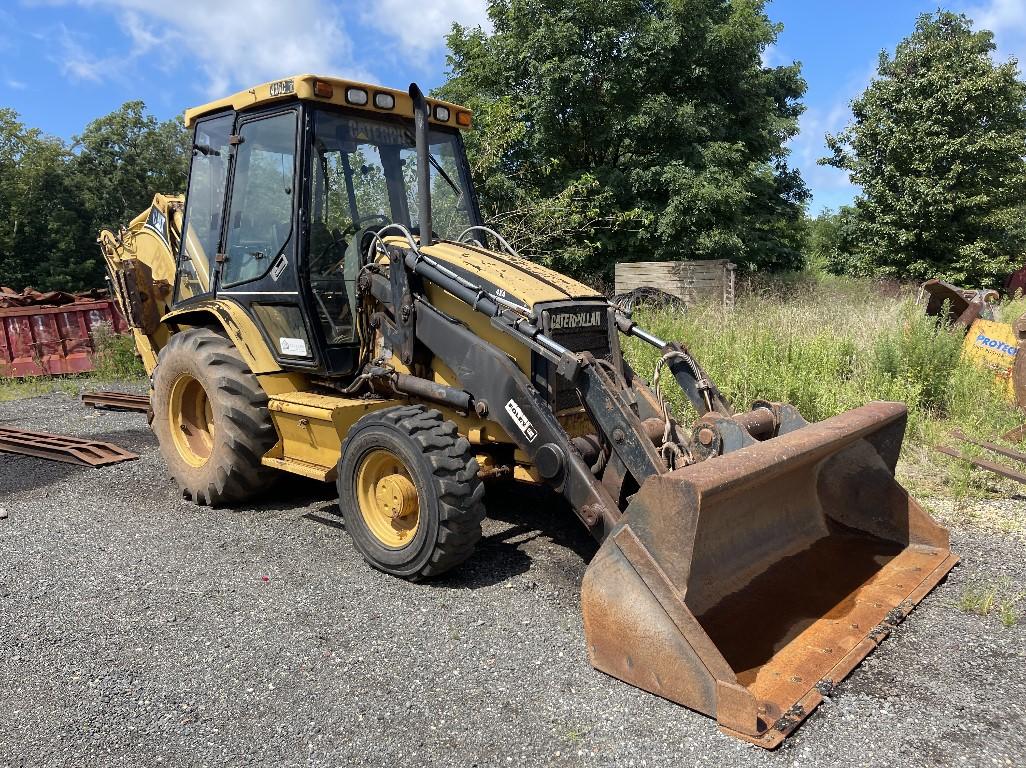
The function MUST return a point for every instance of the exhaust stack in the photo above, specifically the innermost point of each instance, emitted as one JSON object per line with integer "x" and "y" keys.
{"x": 420, "y": 122}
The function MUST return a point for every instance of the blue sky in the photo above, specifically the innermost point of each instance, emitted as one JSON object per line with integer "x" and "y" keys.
{"x": 64, "y": 62}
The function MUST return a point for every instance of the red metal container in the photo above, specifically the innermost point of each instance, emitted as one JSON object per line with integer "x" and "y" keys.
{"x": 43, "y": 340}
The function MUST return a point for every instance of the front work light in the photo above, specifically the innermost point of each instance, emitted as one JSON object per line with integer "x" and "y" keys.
{"x": 356, "y": 96}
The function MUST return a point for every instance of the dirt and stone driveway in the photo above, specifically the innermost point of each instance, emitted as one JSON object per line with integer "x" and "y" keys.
{"x": 139, "y": 630}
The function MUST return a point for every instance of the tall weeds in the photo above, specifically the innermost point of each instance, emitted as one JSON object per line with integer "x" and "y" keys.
{"x": 115, "y": 357}
{"x": 830, "y": 345}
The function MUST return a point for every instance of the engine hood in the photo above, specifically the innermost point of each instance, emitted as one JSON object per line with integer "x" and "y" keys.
{"x": 512, "y": 277}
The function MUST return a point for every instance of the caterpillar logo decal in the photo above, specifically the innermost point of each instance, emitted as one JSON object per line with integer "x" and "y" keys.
{"x": 157, "y": 221}
{"x": 577, "y": 320}
{"x": 983, "y": 340}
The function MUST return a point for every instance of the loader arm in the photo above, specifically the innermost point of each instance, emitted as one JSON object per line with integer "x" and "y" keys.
{"x": 744, "y": 584}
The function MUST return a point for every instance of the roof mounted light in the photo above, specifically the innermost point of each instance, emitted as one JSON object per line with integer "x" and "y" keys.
{"x": 463, "y": 119}
{"x": 357, "y": 96}
{"x": 441, "y": 113}
{"x": 384, "y": 100}
{"x": 323, "y": 90}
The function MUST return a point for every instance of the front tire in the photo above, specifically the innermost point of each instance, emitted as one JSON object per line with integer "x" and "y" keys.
{"x": 409, "y": 492}
{"x": 211, "y": 419}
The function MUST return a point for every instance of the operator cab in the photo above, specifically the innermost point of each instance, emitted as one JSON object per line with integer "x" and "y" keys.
{"x": 284, "y": 196}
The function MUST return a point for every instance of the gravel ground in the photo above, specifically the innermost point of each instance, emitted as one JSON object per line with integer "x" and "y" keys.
{"x": 137, "y": 629}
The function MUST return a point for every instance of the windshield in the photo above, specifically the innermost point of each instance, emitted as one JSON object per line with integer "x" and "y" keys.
{"x": 365, "y": 174}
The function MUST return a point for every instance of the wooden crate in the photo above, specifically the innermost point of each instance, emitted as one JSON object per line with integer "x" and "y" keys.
{"x": 691, "y": 281}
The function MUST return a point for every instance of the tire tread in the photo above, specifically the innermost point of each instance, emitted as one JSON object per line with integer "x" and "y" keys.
{"x": 457, "y": 487}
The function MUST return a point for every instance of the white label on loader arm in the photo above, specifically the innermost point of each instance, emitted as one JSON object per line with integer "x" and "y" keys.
{"x": 294, "y": 347}
{"x": 521, "y": 420}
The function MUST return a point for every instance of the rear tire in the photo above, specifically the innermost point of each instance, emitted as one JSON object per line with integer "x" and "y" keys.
{"x": 211, "y": 419}
{"x": 409, "y": 492}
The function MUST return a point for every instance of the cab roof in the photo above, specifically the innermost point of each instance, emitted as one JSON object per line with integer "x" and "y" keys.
{"x": 332, "y": 90}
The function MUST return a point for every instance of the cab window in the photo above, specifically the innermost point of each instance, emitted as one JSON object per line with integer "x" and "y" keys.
{"x": 363, "y": 176}
{"x": 204, "y": 205}
{"x": 260, "y": 217}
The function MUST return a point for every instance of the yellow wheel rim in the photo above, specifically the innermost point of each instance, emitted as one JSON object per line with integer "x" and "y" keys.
{"x": 191, "y": 420}
{"x": 388, "y": 498}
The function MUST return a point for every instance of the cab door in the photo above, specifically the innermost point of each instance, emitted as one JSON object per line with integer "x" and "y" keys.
{"x": 257, "y": 260}
{"x": 204, "y": 207}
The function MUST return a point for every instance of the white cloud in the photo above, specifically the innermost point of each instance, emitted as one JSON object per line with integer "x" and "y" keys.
{"x": 1007, "y": 20}
{"x": 235, "y": 42}
{"x": 421, "y": 25}
{"x": 830, "y": 186}
{"x": 75, "y": 59}
{"x": 239, "y": 42}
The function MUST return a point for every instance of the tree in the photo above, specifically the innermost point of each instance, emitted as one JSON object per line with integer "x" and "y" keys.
{"x": 125, "y": 157}
{"x": 54, "y": 200}
{"x": 627, "y": 131}
{"x": 42, "y": 220}
{"x": 937, "y": 144}
{"x": 832, "y": 246}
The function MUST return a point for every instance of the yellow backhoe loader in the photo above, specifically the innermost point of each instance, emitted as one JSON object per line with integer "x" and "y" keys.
{"x": 326, "y": 301}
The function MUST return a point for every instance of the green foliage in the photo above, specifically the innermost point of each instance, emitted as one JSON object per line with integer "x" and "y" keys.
{"x": 55, "y": 198}
{"x": 937, "y": 144}
{"x": 630, "y": 131}
{"x": 920, "y": 353}
{"x": 984, "y": 598}
{"x": 115, "y": 357}
{"x": 125, "y": 157}
{"x": 831, "y": 245}
{"x": 830, "y": 344}
{"x": 43, "y": 223}
{"x": 34, "y": 386}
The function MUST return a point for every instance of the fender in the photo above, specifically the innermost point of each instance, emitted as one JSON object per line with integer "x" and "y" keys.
{"x": 235, "y": 322}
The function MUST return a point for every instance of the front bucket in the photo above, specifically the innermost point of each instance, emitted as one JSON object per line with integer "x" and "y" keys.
{"x": 748, "y": 585}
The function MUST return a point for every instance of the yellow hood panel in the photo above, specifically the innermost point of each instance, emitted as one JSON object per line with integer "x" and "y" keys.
{"x": 521, "y": 279}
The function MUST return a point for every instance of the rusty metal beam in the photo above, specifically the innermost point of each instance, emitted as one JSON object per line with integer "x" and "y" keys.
{"x": 1001, "y": 450}
{"x": 1016, "y": 435}
{"x": 990, "y": 466}
{"x": 115, "y": 401}
{"x": 71, "y": 450}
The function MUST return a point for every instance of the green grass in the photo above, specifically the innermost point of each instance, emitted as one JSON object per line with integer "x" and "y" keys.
{"x": 115, "y": 357}
{"x": 1007, "y": 613}
{"x": 1011, "y": 310}
{"x": 17, "y": 389}
{"x": 827, "y": 345}
{"x": 978, "y": 598}
{"x": 992, "y": 597}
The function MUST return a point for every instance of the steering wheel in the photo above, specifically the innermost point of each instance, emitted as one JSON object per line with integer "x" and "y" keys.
{"x": 339, "y": 240}
{"x": 360, "y": 227}
{"x": 362, "y": 222}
